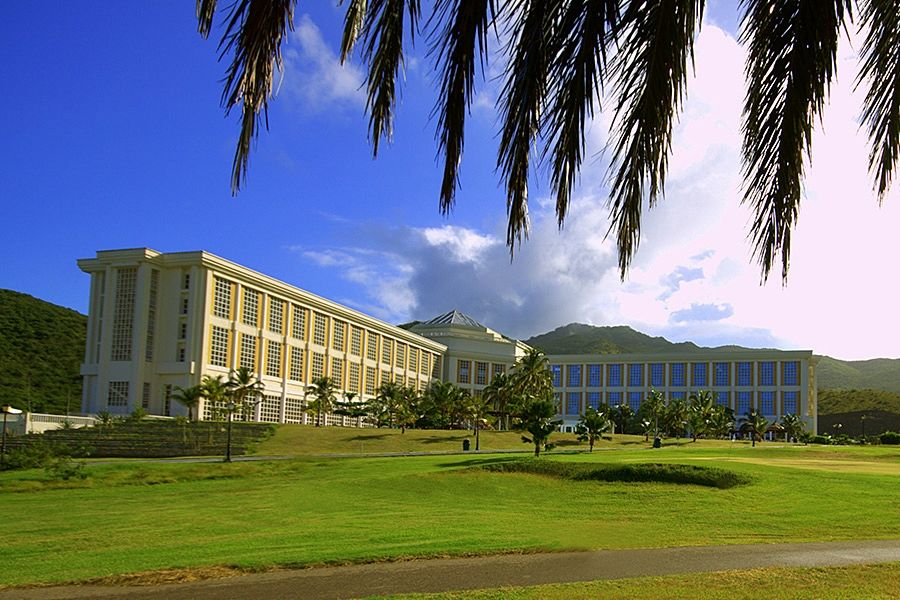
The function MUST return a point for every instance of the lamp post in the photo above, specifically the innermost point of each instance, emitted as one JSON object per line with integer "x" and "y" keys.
{"x": 7, "y": 410}
{"x": 862, "y": 421}
{"x": 231, "y": 406}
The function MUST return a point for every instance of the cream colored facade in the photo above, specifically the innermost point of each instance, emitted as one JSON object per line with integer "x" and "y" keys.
{"x": 160, "y": 321}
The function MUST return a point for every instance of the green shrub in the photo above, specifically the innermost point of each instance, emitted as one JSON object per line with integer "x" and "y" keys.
{"x": 34, "y": 455}
{"x": 636, "y": 472}
{"x": 820, "y": 439}
{"x": 64, "y": 468}
{"x": 890, "y": 437}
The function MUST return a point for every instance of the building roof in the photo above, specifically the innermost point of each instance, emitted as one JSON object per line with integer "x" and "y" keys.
{"x": 454, "y": 317}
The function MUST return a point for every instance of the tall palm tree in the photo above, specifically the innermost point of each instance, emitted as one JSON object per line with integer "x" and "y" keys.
{"x": 246, "y": 390}
{"x": 531, "y": 375}
{"x": 793, "y": 426}
{"x": 537, "y": 419}
{"x": 499, "y": 392}
{"x": 324, "y": 389}
{"x": 701, "y": 408}
{"x": 479, "y": 408}
{"x": 189, "y": 398}
{"x": 654, "y": 406}
{"x": 592, "y": 425}
{"x": 387, "y": 402}
{"x": 563, "y": 58}
{"x": 756, "y": 425}
{"x": 216, "y": 393}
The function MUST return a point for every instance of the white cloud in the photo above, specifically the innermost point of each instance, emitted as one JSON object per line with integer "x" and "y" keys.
{"x": 314, "y": 74}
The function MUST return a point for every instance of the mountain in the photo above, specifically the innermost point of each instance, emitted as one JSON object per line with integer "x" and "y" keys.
{"x": 577, "y": 338}
{"x": 41, "y": 350}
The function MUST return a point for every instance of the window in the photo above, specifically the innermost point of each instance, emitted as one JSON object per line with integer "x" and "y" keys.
{"x": 767, "y": 403}
{"x": 250, "y": 308}
{"x": 356, "y": 341}
{"x": 481, "y": 371}
{"x": 789, "y": 403}
{"x": 634, "y": 400}
{"x": 186, "y": 281}
{"x": 767, "y": 373}
{"x": 573, "y": 403}
{"x": 184, "y": 306}
{"x": 614, "y": 376}
{"x": 319, "y": 329}
{"x": 118, "y": 394}
{"x": 413, "y": 359}
{"x": 270, "y": 409}
{"x": 385, "y": 376}
{"x": 180, "y": 353}
{"x": 167, "y": 399}
{"x": 293, "y": 410}
{"x": 593, "y": 400}
{"x": 614, "y": 398}
{"x": 218, "y": 348}
{"x": 276, "y": 315}
{"x": 636, "y": 375}
{"x": 145, "y": 397}
{"x": 721, "y": 372}
{"x": 387, "y": 347}
{"x": 353, "y": 377}
{"x": 337, "y": 340}
{"x": 123, "y": 316}
{"x": 222, "y": 298}
{"x": 745, "y": 373}
{"x": 318, "y": 365}
{"x": 296, "y": 370}
{"x": 462, "y": 371}
{"x": 677, "y": 396}
{"x": 298, "y": 322}
{"x": 698, "y": 375}
{"x": 436, "y": 367}
{"x": 791, "y": 373}
{"x": 722, "y": 399}
{"x": 273, "y": 358}
{"x": 372, "y": 346}
{"x": 248, "y": 351}
{"x": 400, "y": 355}
{"x": 657, "y": 375}
{"x": 370, "y": 381}
{"x": 678, "y": 375}
{"x": 424, "y": 366}
{"x": 497, "y": 369}
{"x": 593, "y": 375}
{"x": 556, "y": 375}
{"x": 337, "y": 371}
{"x": 151, "y": 316}
{"x": 182, "y": 330}
{"x": 743, "y": 403}
{"x": 573, "y": 375}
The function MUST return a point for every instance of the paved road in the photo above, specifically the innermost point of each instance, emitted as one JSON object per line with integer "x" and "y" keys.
{"x": 486, "y": 572}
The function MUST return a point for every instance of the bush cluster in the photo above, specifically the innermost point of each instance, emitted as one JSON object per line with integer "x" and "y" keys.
{"x": 890, "y": 437}
{"x": 636, "y": 472}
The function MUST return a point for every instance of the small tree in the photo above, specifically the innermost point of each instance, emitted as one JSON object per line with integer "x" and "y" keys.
{"x": 654, "y": 406}
{"x": 537, "y": 418}
{"x": 793, "y": 426}
{"x": 621, "y": 415}
{"x": 479, "y": 409}
{"x": 592, "y": 425}
{"x": 324, "y": 390}
{"x": 188, "y": 398}
{"x": 756, "y": 425}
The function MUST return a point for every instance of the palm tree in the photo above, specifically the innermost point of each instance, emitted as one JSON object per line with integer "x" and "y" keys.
{"x": 350, "y": 407}
{"x": 700, "y": 416}
{"x": 479, "y": 408}
{"x": 387, "y": 403}
{"x": 654, "y": 407}
{"x": 676, "y": 416}
{"x": 621, "y": 415}
{"x": 793, "y": 426}
{"x": 216, "y": 393}
{"x": 189, "y": 398}
{"x": 499, "y": 392}
{"x": 531, "y": 375}
{"x": 756, "y": 425}
{"x": 537, "y": 419}
{"x": 324, "y": 390}
{"x": 592, "y": 425}
{"x": 563, "y": 58}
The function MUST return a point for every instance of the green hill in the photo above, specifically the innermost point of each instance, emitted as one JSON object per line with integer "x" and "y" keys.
{"x": 877, "y": 373}
{"x": 41, "y": 349}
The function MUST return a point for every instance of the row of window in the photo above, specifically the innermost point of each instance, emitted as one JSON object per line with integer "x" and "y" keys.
{"x": 481, "y": 375}
{"x": 700, "y": 374}
{"x": 743, "y": 401}
{"x": 344, "y": 336}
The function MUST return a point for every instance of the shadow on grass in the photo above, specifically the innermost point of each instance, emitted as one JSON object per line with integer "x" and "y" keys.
{"x": 366, "y": 438}
{"x": 437, "y": 439}
{"x": 477, "y": 462}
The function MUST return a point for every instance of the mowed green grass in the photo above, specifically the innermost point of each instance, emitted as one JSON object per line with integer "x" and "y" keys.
{"x": 869, "y": 582}
{"x": 128, "y": 518}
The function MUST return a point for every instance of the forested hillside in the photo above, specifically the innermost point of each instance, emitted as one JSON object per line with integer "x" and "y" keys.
{"x": 41, "y": 349}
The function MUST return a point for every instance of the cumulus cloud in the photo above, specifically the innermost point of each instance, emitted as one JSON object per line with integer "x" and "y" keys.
{"x": 314, "y": 75}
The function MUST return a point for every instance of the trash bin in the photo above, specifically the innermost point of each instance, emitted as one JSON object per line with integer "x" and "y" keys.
{"x": 466, "y": 445}
{"x": 657, "y": 442}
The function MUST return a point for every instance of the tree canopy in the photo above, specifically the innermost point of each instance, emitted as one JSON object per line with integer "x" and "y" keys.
{"x": 565, "y": 59}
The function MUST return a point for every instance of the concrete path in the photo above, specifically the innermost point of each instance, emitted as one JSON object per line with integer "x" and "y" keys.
{"x": 441, "y": 575}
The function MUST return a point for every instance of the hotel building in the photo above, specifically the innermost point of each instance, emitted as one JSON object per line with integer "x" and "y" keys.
{"x": 160, "y": 321}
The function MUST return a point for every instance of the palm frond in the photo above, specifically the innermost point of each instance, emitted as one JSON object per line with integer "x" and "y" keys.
{"x": 253, "y": 34}
{"x": 353, "y": 24}
{"x": 576, "y": 82}
{"x": 531, "y": 26}
{"x": 206, "y": 10}
{"x": 881, "y": 107}
{"x": 791, "y": 59}
{"x": 383, "y": 32}
{"x": 656, "y": 41}
{"x": 462, "y": 36}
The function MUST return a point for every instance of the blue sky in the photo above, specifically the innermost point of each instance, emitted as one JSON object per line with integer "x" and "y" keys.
{"x": 114, "y": 138}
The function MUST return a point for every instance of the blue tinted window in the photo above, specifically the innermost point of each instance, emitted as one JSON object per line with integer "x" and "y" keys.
{"x": 678, "y": 378}
{"x": 593, "y": 375}
{"x": 615, "y": 376}
{"x": 744, "y": 373}
{"x": 767, "y": 373}
{"x": 722, "y": 369}
{"x": 634, "y": 400}
{"x": 657, "y": 375}
{"x": 573, "y": 406}
{"x": 698, "y": 375}
{"x": 593, "y": 399}
{"x": 615, "y": 398}
{"x": 555, "y": 374}
{"x": 790, "y": 403}
{"x": 677, "y": 395}
{"x": 574, "y": 375}
{"x": 722, "y": 398}
{"x": 767, "y": 403}
{"x": 636, "y": 375}
{"x": 743, "y": 403}
{"x": 791, "y": 373}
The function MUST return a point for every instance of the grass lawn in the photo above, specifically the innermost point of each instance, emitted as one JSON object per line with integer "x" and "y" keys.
{"x": 871, "y": 582}
{"x": 128, "y": 518}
